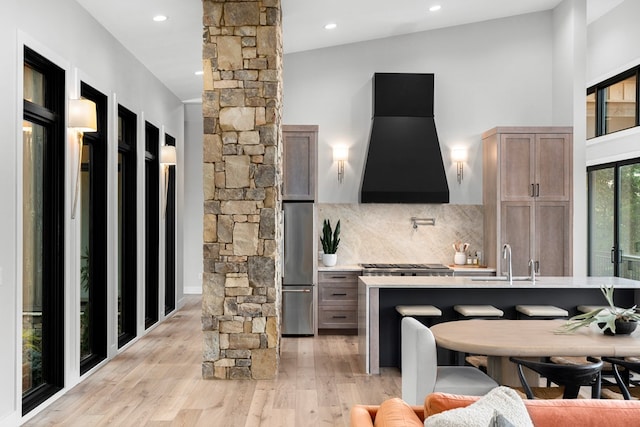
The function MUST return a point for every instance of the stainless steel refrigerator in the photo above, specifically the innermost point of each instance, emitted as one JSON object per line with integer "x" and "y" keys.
{"x": 298, "y": 269}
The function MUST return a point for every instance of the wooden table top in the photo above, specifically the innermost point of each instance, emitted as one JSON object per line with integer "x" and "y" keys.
{"x": 531, "y": 338}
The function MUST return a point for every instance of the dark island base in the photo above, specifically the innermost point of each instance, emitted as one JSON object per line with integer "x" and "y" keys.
{"x": 504, "y": 299}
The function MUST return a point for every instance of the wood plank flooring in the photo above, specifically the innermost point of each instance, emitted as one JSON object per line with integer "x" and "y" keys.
{"x": 157, "y": 382}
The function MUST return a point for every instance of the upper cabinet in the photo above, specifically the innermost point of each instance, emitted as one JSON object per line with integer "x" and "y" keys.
{"x": 299, "y": 148}
{"x": 527, "y": 191}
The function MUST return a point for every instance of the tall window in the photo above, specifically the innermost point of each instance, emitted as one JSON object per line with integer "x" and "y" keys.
{"x": 613, "y": 104}
{"x": 127, "y": 259}
{"x": 43, "y": 169}
{"x": 614, "y": 219}
{"x": 152, "y": 223}
{"x": 170, "y": 235}
{"x": 93, "y": 220}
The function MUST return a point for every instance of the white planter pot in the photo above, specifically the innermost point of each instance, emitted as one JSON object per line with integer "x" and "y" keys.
{"x": 329, "y": 260}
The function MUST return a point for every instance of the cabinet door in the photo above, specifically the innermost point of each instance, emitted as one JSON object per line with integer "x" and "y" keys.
{"x": 516, "y": 166}
{"x": 517, "y": 230}
{"x": 553, "y": 167}
{"x": 553, "y": 238}
{"x": 299, "y": 146}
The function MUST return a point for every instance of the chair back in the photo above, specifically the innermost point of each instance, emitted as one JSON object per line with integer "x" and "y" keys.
{"x": 419, "y": 361}
{"x": 572, "y": 377}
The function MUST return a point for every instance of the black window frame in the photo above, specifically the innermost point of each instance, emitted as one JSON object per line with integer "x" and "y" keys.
{"x": 170, "y": 235}
{"x": 600, "y": 101}
{"x": 51, "y": 117}
{"x": 128, "y": 231}
{"x": 152, "y": 225}
{"x": 97, "y": 262}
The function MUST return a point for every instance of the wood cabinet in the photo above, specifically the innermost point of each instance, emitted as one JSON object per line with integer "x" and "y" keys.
{"x": 338, "y": 299}
{"x": 527, "y": 191}
{"x": 299, "y": 160}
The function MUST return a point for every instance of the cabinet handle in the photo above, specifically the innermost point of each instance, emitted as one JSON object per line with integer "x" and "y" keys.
{"x": 339, "y": 295}
{"x": 338, "y": 277}
{"x": 533, "y": 191}
{"x": 339, "y": 317}
{"x": 537, "y": 190}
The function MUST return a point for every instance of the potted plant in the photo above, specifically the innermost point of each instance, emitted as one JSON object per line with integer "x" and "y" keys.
{"x": 611, "y": 320}
{"x": 330, "y": 240}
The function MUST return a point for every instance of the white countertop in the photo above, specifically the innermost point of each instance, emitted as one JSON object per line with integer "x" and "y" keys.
{"x": 482, "y": 282}
{"x": 357, "y": 267}
{"x": 353, "y": 267}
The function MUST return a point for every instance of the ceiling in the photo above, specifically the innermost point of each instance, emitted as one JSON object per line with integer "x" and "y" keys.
{"x": 171, "y": 50}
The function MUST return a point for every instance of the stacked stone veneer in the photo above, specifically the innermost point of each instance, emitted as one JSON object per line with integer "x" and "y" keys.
{"x": 242, "y": 59}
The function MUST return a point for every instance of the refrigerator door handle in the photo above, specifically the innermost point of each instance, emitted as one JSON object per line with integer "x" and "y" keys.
{"x": 304, "y": 291}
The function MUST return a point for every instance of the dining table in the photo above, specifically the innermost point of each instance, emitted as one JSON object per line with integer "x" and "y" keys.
{"x": 535, "y": 339}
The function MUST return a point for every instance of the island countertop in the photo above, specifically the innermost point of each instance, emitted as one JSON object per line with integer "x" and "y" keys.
{"x": 378, "y": 320}
{"x": 489, "y": 283}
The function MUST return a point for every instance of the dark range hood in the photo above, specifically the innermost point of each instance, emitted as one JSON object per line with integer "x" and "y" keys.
{"x": 404, "y": 162}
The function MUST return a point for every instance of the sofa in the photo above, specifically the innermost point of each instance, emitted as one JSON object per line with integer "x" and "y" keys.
{"x": 543, "y": 413}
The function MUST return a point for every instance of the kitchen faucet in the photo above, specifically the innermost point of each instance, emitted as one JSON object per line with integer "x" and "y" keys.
{"x": 532, "y": 267}
{"x": 506, "y": 254}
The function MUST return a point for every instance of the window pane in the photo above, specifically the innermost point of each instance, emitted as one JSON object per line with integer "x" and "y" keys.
{"x": 33, "y": 87}
{"x": 85, "y": 276}
{"x": 591, "y": 115}
{"x": 601, "y": 221}
{"x": 620, "y": 105}
{"x": 34, "y": 140}
{"x": 629, "y": 205}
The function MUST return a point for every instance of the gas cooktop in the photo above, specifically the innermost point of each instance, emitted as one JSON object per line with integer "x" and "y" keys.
{"x": 406, "y": 270}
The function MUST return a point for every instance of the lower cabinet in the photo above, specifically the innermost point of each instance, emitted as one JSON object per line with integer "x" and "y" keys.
{"x": 338, "y": 300}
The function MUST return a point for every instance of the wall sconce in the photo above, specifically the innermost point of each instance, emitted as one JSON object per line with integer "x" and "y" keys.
{"x": 82, "y": 118}
{"x": 340, "y": 155}
{"x": 167, "y": 158}
{"x": 459, "y": 155}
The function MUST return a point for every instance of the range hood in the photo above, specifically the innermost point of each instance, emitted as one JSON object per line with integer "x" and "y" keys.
{"x": 404, "y": 161}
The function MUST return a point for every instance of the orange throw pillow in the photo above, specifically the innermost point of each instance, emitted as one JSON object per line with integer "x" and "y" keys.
{"x": 396, "y": 412}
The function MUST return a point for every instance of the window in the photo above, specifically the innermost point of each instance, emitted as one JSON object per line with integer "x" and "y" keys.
{"x": 170, "y": 235}
{"x": 127, "y": 259}
{"x": 93, "y": 238}
{"x": 43, "y": 195}
{"x": 613, "y": 104}
{"x": 614, "y": 219}
{"x": 152, "y": 223}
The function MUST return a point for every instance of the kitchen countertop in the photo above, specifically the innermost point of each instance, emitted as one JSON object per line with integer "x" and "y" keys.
{"x": 487, "y": 282}
{"x": 357, "y": 267}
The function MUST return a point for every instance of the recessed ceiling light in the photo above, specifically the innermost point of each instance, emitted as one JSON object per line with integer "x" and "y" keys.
{"x": 160, "y": 18}
{"x": 435, "y": 8}
{"x": 199, "y": 73}
{"x": 330, "y": 26}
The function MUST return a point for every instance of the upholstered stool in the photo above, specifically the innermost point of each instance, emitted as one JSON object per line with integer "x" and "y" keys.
{"x": 541, "y": 311}
{"x": 418, "y": 310}
{"x": 588, "y": 308}
{"x": 478, "y": 311}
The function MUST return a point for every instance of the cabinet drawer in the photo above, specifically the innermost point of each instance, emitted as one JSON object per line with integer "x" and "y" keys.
{"x": 337, "y": 318}
{"x": 338, "y": 294}
{"x": 338, "y": 276}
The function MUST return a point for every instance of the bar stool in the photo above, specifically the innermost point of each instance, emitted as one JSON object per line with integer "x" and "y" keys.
{"x": 425, "y": 312}
{"x": 541, "y": 311}
{"x": 466, "y": 311}
{"x": 478, "y": 311}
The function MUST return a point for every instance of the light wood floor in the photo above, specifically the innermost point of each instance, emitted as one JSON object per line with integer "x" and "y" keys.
{"x": 157, "y": 382}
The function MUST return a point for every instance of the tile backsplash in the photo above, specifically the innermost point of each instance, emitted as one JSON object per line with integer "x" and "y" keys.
{"x": 384, "y": 233}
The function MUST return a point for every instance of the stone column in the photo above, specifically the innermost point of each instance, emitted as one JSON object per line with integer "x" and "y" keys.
{"x": 241, "y": 104}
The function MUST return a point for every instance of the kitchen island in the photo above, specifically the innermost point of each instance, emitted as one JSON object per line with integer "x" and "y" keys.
{"x": 379, "y": 323}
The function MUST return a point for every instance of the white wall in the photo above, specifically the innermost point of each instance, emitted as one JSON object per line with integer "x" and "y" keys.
{"x": 193, "y": 199}
{"x": 494, "y": 73}
{"x": 64, "y": 33}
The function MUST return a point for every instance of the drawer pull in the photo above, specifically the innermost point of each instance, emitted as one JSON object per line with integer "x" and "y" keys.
{"x": 339, "y": 317}
{"x": 338, "y": 277}
{"x": 339, "y": 295}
